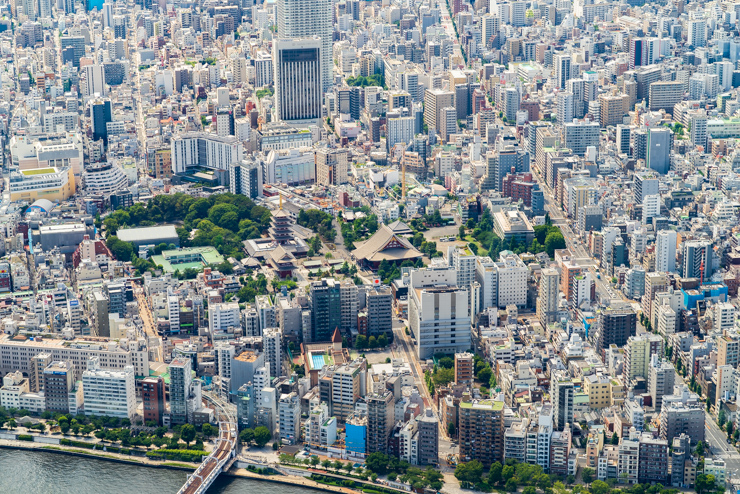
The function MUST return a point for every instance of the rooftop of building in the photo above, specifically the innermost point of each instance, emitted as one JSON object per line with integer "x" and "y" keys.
{"x": 168, "y": 259}
{"x": 142, "y": 233}
{"x": 247, "y": 356}
{"x": 38, "y": 171}
{"x": 493, "y": 405}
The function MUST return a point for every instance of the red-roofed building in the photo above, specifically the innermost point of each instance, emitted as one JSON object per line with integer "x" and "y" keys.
{"x": 91, "y": 250}
{"x": 519, "y": 186}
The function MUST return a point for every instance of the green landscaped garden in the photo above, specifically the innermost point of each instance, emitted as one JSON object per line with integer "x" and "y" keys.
{"x": 37, "y": 171}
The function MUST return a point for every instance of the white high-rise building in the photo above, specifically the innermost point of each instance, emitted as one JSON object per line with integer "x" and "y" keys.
{"x": 107, "y": 14}
{"x": 518, "y": 16}
{"x": 263, "y": 70}
{"x": 262, "y": 380}
{"x": 650, "y": 208}
{"x": 512, "y": 282}
{"x": 44, "y": 9}
{"x": 547, "y": 300}
{"x": 490, "y": 27}
{"x": 698, "y": 133}
{"x": 109, "y": 393}
{"x": 439, "y": 313}
{"x": 462, "y": 260}
{"x": 272, "y": 344}
{"x": 724, "y": 72}
{"x": 221, "y": 317}
{"x": 724, "y": 316}
{"x": 486, "y": 275}
{"x": 289, "y": 412}
{"x": 297, "y": 65}
{"x": 665, "y": 251}
{"x": 565, "y": 108}
{"x": 308, "y": 18}
{"x": 697, "y": 33}
{"x": 173, "y": 312}
{"x": 200, "y": 149}
{"x": 399, "y": 129}
{"x": 224, "y": 355}
{"x": 94, "y": 81}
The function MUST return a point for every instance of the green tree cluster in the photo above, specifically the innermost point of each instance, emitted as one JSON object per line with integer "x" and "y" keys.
{"x": 362, "y": 342}
{"x": 435, "y": 219}
{"x": 266, "y": 91}
{"x": 359, "y": 229}
{"x": 382, "y": 464}
{"x": 483, "y": 372}
{"x": 388, "y": 271}
{"x": 251, "y": 287}
{"x": 510, "y": 476}
{"x": 318, "y": 221}
{"x": 259, "y": 436}
{"x": 550, "y": 237}
{"x": 363, "y": 81}
{"x": 221, "y": 220}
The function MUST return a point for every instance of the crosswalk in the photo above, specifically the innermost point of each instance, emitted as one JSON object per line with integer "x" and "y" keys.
{"x": 729, "y": 456}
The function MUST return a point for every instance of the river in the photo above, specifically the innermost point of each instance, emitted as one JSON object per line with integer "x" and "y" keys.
{"x": 31, "y": 472}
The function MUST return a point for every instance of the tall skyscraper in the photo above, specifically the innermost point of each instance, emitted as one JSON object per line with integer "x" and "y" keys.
{"x": 481, "y": 430}
{"x": 646, "y": 184}
{"x": 562, "y": 69}
{"x": 306, "y": 18}
{"x": 298, "y": 83}
{"x": 638, "y": 52}
{"x": 616, "y": 324}
{"x": 58, "y": 381}
{"x": 180, "y": 379}
{"x": 697, "y": 254}
{"x": 565, "y": 107}
{"x": 44, "y": 9}
{"x": 379, "y": 421}
{"x": 623, "y": 139}
{"x": 100, "y": 114}
{"x": 561, "y": 394}
{"x": 94, "y": 81}
{"x": 547, "y": 301}
{"x": 659, "y": 145}
{"x": 29, "y": 8}
{"x": 697, "y": 33}
{"x": 665, "y": 251}
{"x": 326, "y": 309}
{"x": 153, "y": 398}
{"x": 661, "y": 378}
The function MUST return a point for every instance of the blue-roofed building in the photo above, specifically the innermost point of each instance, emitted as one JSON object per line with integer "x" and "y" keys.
{"x": 43, "y": 205}
{"x": 355, "y": 441}
{"x": 95, "y": 4}
{"x": 715, "y": 292}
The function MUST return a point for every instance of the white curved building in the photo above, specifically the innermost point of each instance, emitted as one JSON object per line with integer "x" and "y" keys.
{"x": 105, "y": 179}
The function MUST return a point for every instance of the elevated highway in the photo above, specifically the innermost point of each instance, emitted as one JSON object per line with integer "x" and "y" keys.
{"x": 223, "y": 454}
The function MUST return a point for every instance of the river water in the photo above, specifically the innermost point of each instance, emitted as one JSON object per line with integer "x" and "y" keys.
{"x": 31, "y": 472}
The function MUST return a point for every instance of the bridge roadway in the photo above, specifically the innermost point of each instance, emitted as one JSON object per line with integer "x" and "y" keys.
{"x": 222, "y": 455}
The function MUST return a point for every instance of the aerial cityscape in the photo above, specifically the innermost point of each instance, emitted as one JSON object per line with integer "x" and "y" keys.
{"x": 389, "y": 246}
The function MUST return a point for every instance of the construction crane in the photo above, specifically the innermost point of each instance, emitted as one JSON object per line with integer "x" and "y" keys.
{"x": 403, "y": 179}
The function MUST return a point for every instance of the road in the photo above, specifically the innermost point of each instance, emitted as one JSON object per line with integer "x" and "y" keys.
{"x": 574, "y": 243}
{"x": 148, "y": 322}
{"x": 449, "y": 28}
{"x": 404, "y": 348}
{"x": 717, "y": 441}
